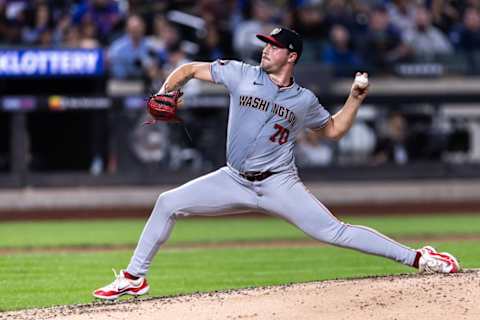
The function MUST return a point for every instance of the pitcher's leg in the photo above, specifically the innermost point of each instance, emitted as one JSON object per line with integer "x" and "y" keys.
{"x": 215, "y": 193}
{"x": 295, "y": 203}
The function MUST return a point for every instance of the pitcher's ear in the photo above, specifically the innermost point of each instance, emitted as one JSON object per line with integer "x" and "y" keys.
{"x": 292, "y": 57}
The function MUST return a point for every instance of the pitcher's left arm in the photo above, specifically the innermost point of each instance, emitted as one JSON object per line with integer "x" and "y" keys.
{"x": 342, "y": 121}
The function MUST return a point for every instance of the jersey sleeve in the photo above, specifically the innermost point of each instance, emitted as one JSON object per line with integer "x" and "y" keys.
{"x": 227, "y": 72}
{"x": 317, "y": 116}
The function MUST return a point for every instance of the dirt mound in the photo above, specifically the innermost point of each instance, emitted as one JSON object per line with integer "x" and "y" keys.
{"x": 394, "y": 297}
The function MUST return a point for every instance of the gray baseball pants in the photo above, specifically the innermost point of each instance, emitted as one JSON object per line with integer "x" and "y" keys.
{"x": 283, "y": 194}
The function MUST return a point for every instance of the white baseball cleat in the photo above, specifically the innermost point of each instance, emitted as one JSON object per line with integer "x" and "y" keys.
{"x": 120, "y": 286}
{"x": 432, "y": 261}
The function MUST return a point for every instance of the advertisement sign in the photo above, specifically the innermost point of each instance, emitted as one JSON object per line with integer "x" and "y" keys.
{"x": 18, "y": 103}
{"x": 51, "y": 62}
{"x": 60, "y": 103}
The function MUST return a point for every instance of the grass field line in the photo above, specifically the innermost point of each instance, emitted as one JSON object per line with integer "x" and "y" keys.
{"x": 276, "y": 243}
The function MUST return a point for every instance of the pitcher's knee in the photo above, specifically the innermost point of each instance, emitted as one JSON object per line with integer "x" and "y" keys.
{"x": 164, "y": 205}
{"x": 331, "y": 233}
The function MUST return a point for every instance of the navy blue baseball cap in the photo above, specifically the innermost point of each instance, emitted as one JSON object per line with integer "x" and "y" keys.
{"x": 284, "y": 38}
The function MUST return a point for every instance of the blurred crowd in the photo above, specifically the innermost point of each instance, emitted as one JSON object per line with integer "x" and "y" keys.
{"x": 393, "y": 136}
{"x": 146, "y": 39}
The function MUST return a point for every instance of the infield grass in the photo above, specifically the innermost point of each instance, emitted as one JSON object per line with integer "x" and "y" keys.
{"x": 45, "y": 279}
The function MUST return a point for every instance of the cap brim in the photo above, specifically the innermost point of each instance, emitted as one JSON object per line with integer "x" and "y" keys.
{"x": 270, "y": 39}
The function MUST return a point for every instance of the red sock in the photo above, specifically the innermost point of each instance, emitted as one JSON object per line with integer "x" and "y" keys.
{"x": 130, "y": 276}
{"x": 417, "y": 259}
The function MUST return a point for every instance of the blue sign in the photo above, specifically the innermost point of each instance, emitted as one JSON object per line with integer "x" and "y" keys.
{"x": 51, "y": 62}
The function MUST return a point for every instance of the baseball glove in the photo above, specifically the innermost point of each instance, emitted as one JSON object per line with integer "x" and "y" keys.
{"x": 163, "y": 107}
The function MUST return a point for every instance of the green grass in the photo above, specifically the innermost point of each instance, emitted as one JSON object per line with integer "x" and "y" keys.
{"x": 38, "y": 280}
{"x": 126, "y": 232}
{"x": 45, "y": 279}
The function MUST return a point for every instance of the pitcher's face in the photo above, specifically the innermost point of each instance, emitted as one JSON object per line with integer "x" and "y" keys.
{"x": 274, "y": 58}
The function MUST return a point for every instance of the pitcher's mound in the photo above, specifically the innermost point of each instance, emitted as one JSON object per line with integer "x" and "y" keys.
{"x": 401, "y": 297}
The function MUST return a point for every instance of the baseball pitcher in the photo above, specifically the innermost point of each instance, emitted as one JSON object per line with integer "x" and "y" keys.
{"x": 268, "y": 110}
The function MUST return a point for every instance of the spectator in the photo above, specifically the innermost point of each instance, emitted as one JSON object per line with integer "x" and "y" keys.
{"x": 462, "y": 5}
{"x": 309, "y": 21}
{"x": 402, "y": 14}
{"x": 130, "y": 53}
{"x": 338, "y": 52}
{"x": 444, "y": 14}
{"x": 348, "y": 13}
{"x": 89, "y": 35}
{"x": 16, "y": 19}
{"x": 339, "y": 12}
{"x": 71, "y": 37}
{"x": 105, "y": 14}
{"x": 176, "y": 58}
{"x": 76, "y": 36}
{"x": 216, "y": 40}
{"x": 245, "y": 43}
{"x": 391, "y": 146}
{"x": 426, "y": 41}
{"x": 312, "y": 151}
{"x": 40, "y": 22}
{"x": 466, "y": 38}
{"x": 45, "y": 38}
{"x": 3, "y": 23}
{"x": 382, "y": 45}
{"x": 210, "y": 48}
{"x": 357, "y": 145}
{"x": 63, "y": 26}
{"x": 164, "y": 36}
{"x": 221, "y": 12}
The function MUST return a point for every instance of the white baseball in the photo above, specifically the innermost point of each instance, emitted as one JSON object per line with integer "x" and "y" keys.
{"x": 361, "y": 81}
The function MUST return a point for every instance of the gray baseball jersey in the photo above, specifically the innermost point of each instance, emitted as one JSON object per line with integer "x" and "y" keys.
{"x": 264, "y": 120}
{"x": 263, "y": 123}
